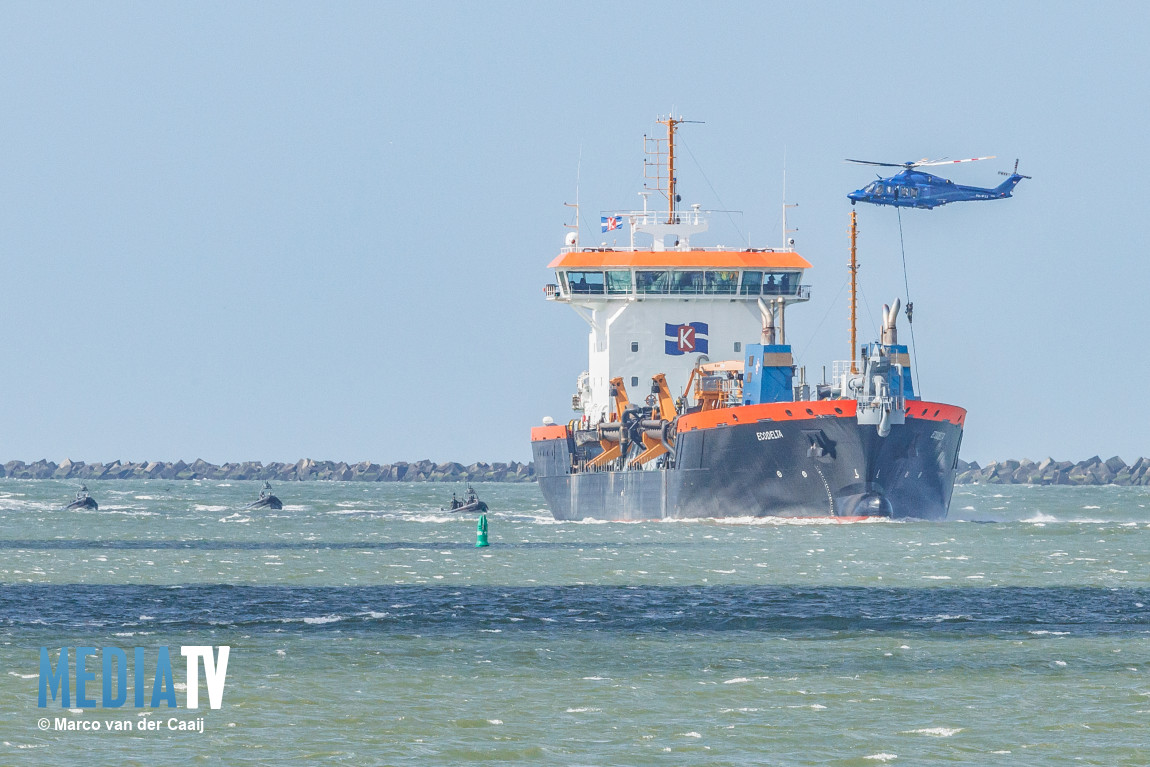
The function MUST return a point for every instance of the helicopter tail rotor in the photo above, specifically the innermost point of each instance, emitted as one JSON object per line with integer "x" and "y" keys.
{"x": 1014, "y": 172}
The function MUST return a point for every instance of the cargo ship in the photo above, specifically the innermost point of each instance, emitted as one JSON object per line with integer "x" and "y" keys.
{"x": 692, "y": 405}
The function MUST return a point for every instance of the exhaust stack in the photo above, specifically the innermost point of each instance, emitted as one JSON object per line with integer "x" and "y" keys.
{"x": 767, "y": 338}
{"x": 890, "y": 323}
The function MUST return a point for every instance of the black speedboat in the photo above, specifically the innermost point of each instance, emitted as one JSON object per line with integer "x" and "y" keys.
{"x": 83, "y": 501}
{"x": 472, "y": 502}
{"x": 266, "y": 500}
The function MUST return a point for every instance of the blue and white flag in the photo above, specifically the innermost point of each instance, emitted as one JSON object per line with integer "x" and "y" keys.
{"x": 611, "y": 222}
{"x": 687, "y": 338}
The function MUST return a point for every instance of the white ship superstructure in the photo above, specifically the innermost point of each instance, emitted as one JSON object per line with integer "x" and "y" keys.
{"x": 658, "y": 304}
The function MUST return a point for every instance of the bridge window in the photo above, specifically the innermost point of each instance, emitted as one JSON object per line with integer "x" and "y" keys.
{"x": 752, "y": 283}
{"x": 738, "y": 346}
{"x": 585, "y": 282}
{"x": 618, "y": 282}
{"x": 722, "y": 283}
{"x": 781, "y": 284}
{"x": 634, "y": 346}
{"x": 652, "y": 282}
{"x": 686, "y": 282}
{"x": 634, "y": 381}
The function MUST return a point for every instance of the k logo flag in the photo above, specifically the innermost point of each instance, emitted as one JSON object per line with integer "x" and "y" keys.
{"x": 686, "y": 339}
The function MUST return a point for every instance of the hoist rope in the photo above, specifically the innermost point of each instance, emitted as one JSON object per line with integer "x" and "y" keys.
{"x": 909, "y": 305}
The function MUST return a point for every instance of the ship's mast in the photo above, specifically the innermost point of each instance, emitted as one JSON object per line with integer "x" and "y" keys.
{"x": 854, "y": 268}
{"x": 666, "y": 184}
{"x": 671, "y": 124}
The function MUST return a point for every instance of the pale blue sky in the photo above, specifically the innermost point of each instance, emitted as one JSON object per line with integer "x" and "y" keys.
{"x": 273, "y": 230}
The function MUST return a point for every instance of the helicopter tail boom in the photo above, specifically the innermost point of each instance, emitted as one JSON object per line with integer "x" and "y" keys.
{"x": 1006, "y": 187}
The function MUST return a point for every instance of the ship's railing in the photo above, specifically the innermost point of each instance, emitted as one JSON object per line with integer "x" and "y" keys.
{"x": 647, "y": 248}
{"x": 729, "y": 389}
{"x": 665, "y": 288}
{"x": 841, "y": 373}
{"x": 802, "y": 291}
{"x": 584, "y": 467}
{"x": 840, "y": 368}
{"x": 658, "y": 218}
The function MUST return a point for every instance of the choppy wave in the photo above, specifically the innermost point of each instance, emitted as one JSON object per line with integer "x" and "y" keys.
{"x": 800, "y": 521}
{"x": 967, "y": 611}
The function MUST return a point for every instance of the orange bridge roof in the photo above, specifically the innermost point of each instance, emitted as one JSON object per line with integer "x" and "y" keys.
{"x": 679, "y": 259}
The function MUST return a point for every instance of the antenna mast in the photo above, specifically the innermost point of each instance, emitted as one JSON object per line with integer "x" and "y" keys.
{"x": 786, "y": 232}
{"x": 578, "y": 172}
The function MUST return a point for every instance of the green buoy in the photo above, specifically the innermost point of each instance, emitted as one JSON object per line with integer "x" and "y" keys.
{"x": 481, "y": 532}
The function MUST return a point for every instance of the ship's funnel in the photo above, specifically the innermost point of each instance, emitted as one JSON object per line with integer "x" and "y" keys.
{"x": 890, "y": 323}
{"x": 768, "y": 335}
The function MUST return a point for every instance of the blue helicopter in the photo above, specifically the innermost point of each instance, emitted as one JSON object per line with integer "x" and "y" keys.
{"x": 914, "y": 189}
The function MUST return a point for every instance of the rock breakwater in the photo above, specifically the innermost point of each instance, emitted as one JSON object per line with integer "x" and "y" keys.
{"x": 1092, "y": 471}
{"x": 303, "y": 470}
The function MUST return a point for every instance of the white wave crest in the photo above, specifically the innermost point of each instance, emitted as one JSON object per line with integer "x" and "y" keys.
{"x": 935, "y": 732}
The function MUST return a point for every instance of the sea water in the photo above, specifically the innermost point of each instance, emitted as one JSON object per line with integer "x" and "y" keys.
{"x": 366, "y": 628}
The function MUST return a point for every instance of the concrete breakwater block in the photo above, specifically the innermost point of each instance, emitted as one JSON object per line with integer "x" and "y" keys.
{"x": 1092, "y": 471}
{"x": 303, "y": 470}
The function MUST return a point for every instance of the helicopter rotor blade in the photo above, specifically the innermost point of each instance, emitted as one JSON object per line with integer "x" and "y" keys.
{"x": 952, "y": 162}
{"x": 882, "y": 164}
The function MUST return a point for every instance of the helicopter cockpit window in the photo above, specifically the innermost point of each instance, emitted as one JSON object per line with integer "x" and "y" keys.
{"x": 874, "y": 188}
